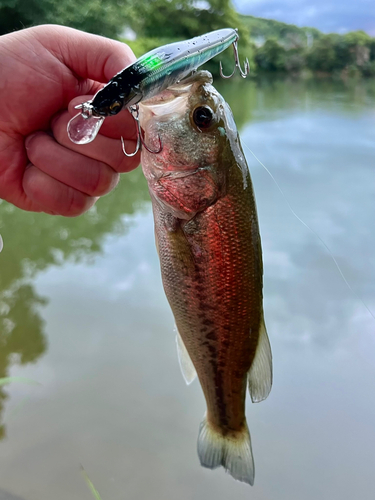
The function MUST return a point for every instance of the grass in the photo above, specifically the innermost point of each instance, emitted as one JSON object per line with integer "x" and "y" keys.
{"x": 92, "y": 488}
{"x": 24, "y": 380}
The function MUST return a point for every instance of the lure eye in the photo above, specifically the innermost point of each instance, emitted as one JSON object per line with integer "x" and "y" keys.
{"x": 203, "y": 117}
{"x": 115, "y": 107}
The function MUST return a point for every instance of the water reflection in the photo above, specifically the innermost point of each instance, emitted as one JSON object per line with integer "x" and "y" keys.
{"x": 4, "y": 495}
{"x": 321, "y": 162}
{"x": 112, "y": 396}
{"x": 33, "y": 242}
{"x": 317, "y": 138}
{"x": 269, "y": 98}
{"x": 21, "y": 332}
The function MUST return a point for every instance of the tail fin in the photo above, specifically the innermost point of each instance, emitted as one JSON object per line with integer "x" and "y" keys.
{"x": 232, "y": 451}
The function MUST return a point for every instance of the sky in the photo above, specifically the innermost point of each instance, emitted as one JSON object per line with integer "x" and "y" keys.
{"x": 339, "y": 16}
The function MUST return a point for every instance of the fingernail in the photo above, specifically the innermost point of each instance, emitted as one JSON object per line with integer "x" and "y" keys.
{"x": 29, "y": 138}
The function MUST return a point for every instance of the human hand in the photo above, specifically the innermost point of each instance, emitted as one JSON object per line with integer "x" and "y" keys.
{"x": 45, "y": 71}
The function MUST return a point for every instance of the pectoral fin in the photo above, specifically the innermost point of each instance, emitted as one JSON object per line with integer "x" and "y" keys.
{"x": 260, "y": 373}
{"x": 186, "y": 364}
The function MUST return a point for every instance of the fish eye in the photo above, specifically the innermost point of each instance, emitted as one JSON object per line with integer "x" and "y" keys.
{"x": 203, "y": 117}
{"x": 115, "y": 107}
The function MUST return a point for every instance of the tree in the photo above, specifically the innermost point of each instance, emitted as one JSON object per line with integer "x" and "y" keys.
{"x": 322, "y": 56}
{"x": 173, "y": 20}
{"x": 183, "y": 19}
{"x": 371, "y": 46}
{"x": 103, "y": 17}
{"x": 18, "y": 14}
{"x": 51, "y": 242}
{"x": 271, "y": 56}
{"x": 295, "y": 60}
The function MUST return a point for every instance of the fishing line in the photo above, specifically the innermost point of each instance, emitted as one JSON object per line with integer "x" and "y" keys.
{"x": 313, "y": 232}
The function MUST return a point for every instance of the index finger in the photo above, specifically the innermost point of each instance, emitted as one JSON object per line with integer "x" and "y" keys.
{"x": 88, "y": 56}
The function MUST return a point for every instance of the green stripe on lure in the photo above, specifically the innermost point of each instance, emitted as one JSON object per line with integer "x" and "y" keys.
{"x": 147, "y": 76}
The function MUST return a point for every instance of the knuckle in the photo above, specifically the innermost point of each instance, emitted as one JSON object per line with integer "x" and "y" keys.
{"x": 101, "y": 180}
{"x": 76, "y": 203}
{"x": 34, "y": 146}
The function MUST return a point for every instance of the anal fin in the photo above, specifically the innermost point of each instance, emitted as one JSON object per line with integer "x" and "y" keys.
{"x": 260, "y": 373}
{"x": 186, "y": 364}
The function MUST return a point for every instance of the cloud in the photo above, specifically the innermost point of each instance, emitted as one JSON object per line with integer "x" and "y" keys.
{"x": 326, "y": 15}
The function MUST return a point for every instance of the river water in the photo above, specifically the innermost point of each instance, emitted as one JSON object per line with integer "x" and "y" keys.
{"x": 83, "y": 313}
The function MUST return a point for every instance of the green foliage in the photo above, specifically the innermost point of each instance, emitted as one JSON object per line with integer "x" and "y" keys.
{"x": 285, "y": 47}
{"x": 51, "y": 241}
{"x": 271, "y": 56}
{"x": 350, "y": 52}
{"x": 295, "y": 60}
{"x": 371, "y": 46}
{"x": 166, "y": 21}
{"x": 169, "y": 19}
{"x": 269, "y": 45}
{"x": 142, "y": 45}
{"x": 103, "y": 17}
{"x": 156, "y": 22}
{"x": 17, "y": 14}
{"x": 369, "y": 69}
{"x": 182, "y": 19}
{"x": 322, "y": 56}
{"x": 287, "y": 35}
{"x": 356, "y": 38}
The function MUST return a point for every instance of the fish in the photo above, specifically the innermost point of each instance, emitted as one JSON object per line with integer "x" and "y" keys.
{"x": 208, "y": 240}
{"x": 147, "y": 76}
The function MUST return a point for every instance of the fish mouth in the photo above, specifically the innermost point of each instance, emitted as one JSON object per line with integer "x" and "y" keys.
{"x": 176, "y": 90}
{"x": 169, "y": 102}
{"x": 174, "y": 99}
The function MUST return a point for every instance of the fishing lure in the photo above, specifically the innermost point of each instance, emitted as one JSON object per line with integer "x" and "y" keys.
{"x": 147, "y": 76}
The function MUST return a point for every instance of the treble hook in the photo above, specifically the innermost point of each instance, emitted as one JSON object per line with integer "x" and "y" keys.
{"x": 237, "y": 64}
{"x": 134, "y": 110}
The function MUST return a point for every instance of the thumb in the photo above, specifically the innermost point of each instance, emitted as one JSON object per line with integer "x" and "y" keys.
{"x": 88, "y": 56}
